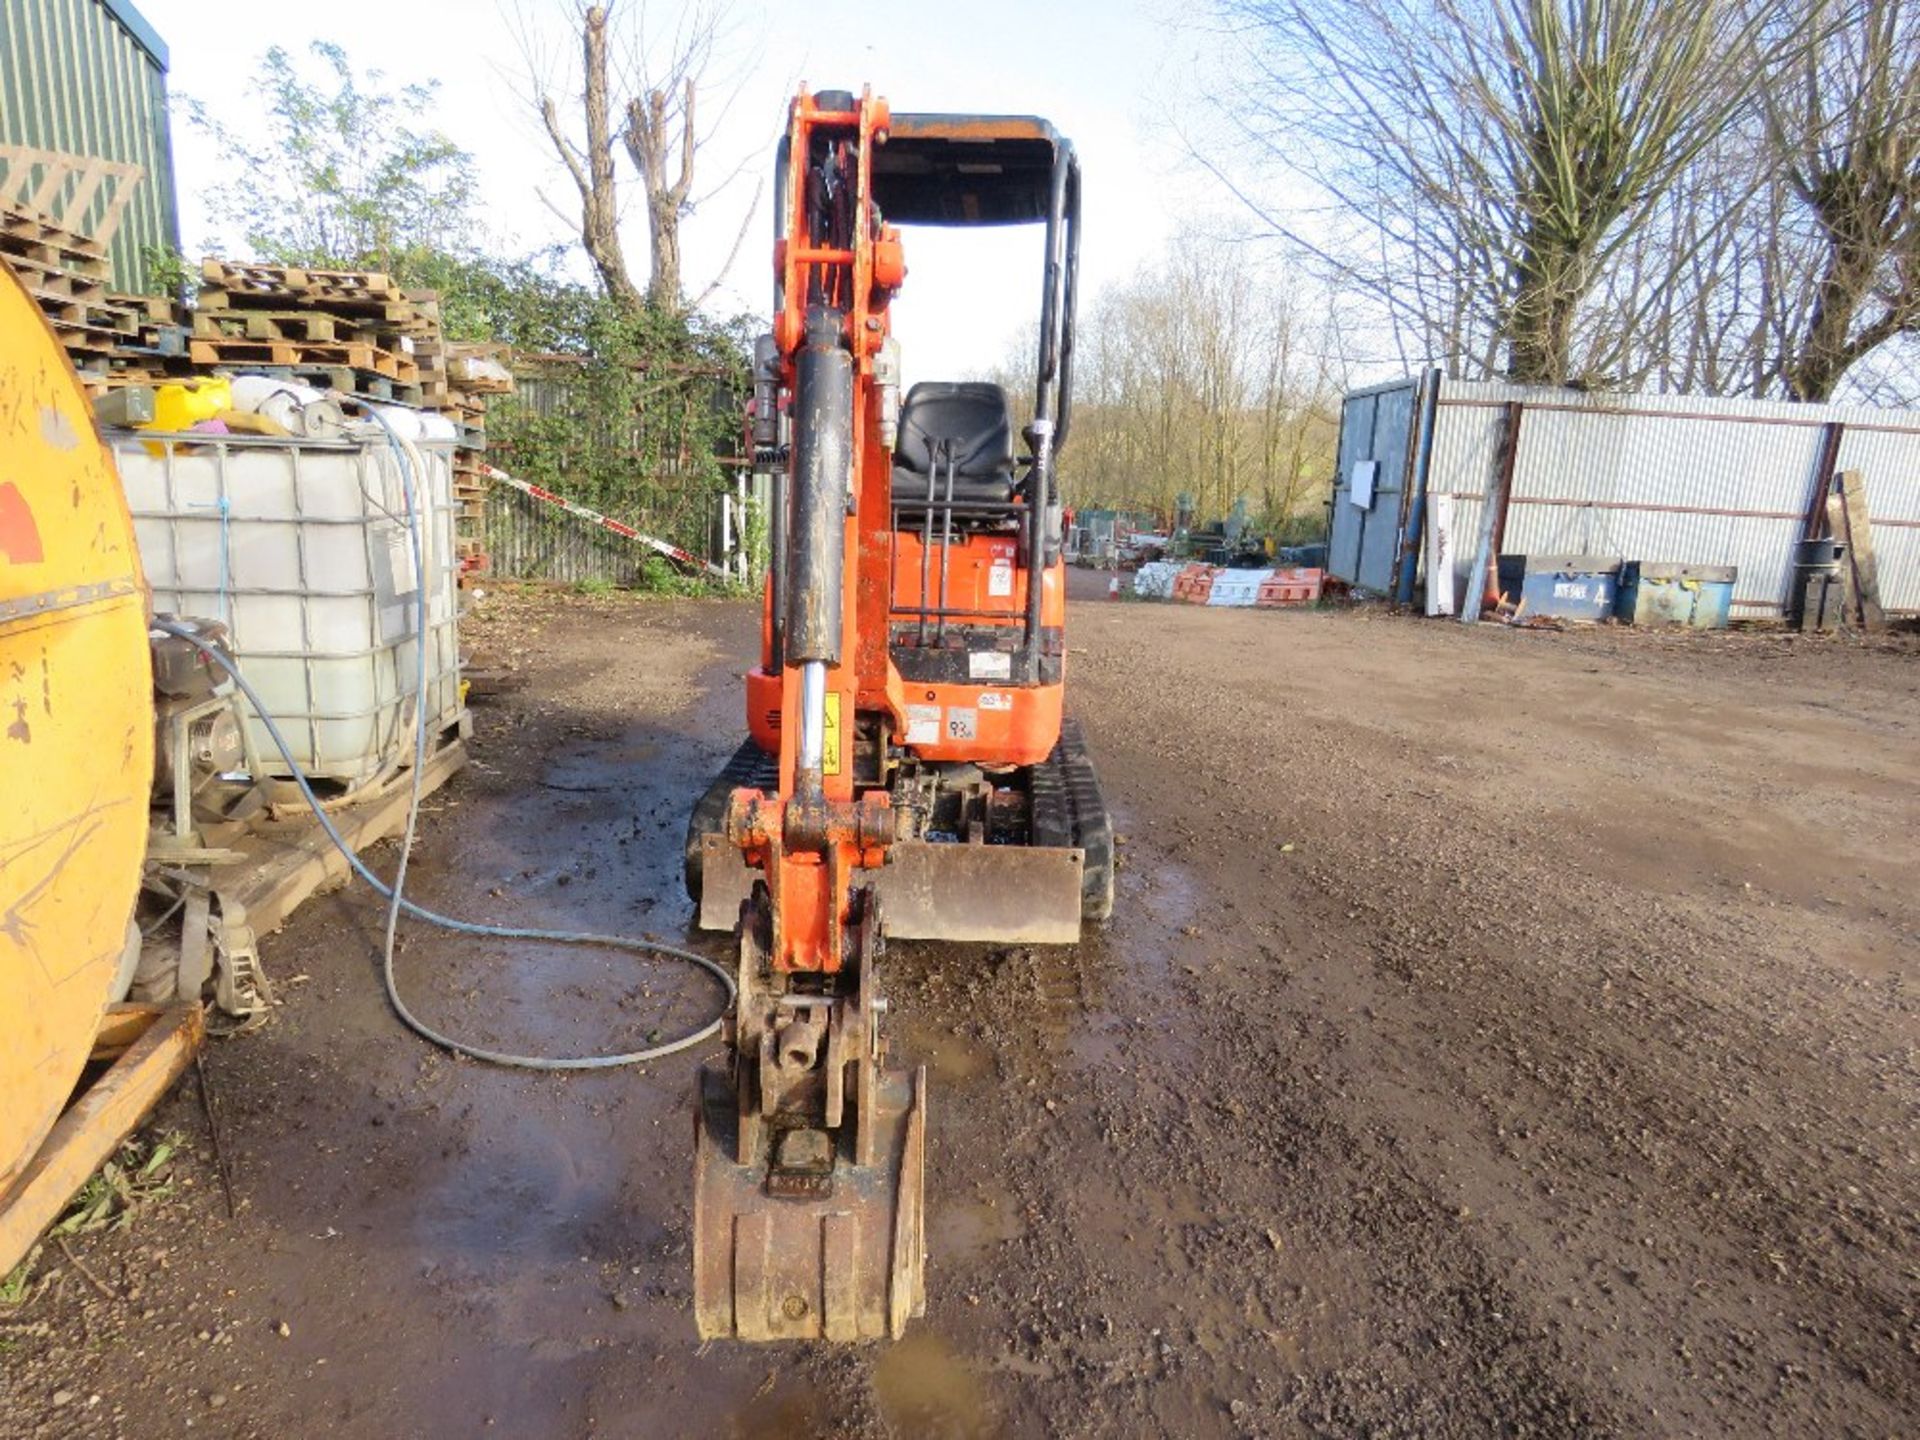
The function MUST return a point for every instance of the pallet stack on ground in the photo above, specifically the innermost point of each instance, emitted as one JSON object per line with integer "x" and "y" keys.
{"x": 353, "y": 331}
{"x": 66, "y": 274}
{"x": 472, "y": 374}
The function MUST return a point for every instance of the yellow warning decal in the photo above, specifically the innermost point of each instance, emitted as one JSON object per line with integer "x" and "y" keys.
{"x": 830, "y": 761}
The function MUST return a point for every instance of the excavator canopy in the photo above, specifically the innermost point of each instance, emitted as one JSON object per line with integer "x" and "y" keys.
{"x": 966, "y": 169}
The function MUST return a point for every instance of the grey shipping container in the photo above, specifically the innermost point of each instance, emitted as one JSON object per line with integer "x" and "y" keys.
{"x": 88, "y": 79}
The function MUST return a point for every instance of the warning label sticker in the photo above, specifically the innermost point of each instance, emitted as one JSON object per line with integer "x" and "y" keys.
{"x": 962, "y": 723}
{"x": 923, "y": 724}
{"x": 1000, "y": 578}
{"x": 830, "y": 758}
{"x": 989, "y": 665}
{"x": 995, "y": 700}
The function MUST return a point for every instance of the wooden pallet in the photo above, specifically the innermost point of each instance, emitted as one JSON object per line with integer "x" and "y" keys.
{"x": 149, "y": 1047}
{"x": 42, "y": 279}
{"x": 299, "y": 326}
{"x": 35, "y": 237}
{"x": 399, "y": 317}
{"x": 56, "y": 185}
{"x": 89, "y": 315}
{"x": 365, "y": 384}
{"x": 156, "y": 309}
{"x": 303, "y": 355}
{"x": 235, "y": 277}
{"x": 88, "y": 349}
{"x": 285, "y": 862}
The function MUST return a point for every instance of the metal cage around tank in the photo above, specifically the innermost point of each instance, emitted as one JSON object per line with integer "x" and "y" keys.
{"x": 302, "y": 548}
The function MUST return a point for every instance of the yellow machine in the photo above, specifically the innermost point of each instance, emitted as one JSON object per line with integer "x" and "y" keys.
{"x": 76, "y": 729}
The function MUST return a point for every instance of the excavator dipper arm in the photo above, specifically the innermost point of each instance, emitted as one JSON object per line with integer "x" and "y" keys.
{"x": 808, "y": 1189}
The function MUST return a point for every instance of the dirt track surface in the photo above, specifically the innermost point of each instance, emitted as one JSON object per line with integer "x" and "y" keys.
{"x": 1499, "y": 1033}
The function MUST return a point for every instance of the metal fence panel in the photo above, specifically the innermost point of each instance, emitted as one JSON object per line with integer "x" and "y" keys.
{"x": 1375, "y": 425}
{"x": 527, "y": 540}
{"x": 1890, "y": 461}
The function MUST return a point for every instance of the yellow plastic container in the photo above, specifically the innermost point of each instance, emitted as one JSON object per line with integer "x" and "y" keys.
{"x": 76, "y": 727}
{"x": 182, "y": 406}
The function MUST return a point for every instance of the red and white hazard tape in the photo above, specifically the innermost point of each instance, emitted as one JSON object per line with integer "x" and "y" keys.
{"x": 605, "y": 522}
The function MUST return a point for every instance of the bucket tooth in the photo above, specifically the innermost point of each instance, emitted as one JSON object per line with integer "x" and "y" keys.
{"x": 846, "y": 1262}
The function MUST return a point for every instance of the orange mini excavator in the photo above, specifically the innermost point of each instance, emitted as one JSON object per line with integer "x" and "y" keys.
{"x": 909, "y": 773}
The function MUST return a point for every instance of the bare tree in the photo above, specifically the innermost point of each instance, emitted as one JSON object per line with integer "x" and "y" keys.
{"x": 1199, "y": 375}
{"x": 590, "y": 162}
{"x": 1845, "y": 118}
{"x": 637, "y": 92}
{"x": 1485, "y": 163}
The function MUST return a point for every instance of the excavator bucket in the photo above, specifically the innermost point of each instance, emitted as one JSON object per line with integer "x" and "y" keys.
{"x": 840, "y": 1257}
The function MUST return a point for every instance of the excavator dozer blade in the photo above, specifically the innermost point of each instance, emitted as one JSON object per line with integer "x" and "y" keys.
{"x": 996, "y": 894}
{"x": 845, "y": 1264}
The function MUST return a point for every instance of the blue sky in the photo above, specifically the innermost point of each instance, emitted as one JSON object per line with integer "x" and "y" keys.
{"x": 1105, "y": 73}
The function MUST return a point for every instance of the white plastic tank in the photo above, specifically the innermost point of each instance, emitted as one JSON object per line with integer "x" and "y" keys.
{"x": 301, "y": 546}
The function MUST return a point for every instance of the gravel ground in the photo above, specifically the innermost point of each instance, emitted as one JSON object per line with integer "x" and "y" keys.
{"x": 1499, "y": 1033}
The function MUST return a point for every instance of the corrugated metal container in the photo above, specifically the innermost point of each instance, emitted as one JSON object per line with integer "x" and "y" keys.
{"x": 89, "y": 78}
{"x": 1686, "y": 480}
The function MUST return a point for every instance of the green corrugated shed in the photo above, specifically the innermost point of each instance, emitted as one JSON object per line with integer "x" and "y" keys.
{"x": 89, "y": 77}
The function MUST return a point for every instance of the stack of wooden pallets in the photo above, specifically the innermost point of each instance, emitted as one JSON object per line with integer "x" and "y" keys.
{"x": 66, "y": 273}
{"x": 472, "y": 374}
{"x": 347, "y": 330}
{"x": 354, "y": 332}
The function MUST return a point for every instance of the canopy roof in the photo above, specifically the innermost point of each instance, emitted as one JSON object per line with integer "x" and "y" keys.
{"x": 966, "y": 169}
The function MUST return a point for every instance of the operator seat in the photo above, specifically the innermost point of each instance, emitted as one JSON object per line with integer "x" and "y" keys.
{"x": 966, "y": 422}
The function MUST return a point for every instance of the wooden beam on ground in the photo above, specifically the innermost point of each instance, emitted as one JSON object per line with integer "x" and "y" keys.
{"x": 1862, "y": 567}
{"x": 94, "y": 1126}
{"x": 121, "y": 1028}
{"x": 287, "y": 862}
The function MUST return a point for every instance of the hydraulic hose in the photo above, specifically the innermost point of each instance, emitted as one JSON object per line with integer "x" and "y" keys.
{"x": 410, "y": 466}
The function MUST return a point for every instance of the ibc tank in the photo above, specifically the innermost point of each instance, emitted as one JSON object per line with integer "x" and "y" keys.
{"x": 301, "y": 546}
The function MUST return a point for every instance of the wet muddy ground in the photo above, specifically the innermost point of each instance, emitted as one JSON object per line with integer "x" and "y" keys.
{"x": 1498, "y": 1033}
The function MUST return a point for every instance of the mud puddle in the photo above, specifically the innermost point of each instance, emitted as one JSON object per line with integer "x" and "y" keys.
{"x": 924, "y": 1389}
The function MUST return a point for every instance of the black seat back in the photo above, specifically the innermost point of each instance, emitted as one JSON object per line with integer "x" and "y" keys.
{"x": 971, "y": 416}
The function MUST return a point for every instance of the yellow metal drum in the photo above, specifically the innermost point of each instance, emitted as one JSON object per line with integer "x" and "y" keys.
{"x": 76, "y": 727}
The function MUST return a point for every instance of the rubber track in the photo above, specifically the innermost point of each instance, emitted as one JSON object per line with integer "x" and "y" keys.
{"x": 1092, "y": 826}
{"x": 750, "y": 766}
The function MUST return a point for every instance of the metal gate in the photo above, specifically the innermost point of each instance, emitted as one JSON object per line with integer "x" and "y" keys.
{"x": 1369, "y": 490}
